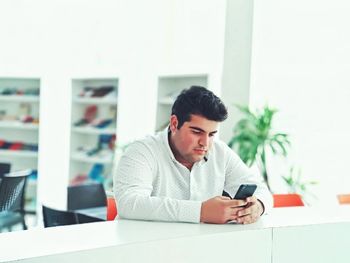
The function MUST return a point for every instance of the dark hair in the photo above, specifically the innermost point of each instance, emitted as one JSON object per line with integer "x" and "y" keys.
{"x": 198, "y": 101}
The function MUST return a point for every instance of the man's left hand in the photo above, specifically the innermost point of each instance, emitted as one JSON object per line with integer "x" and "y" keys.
{"x": 252, "y": 211}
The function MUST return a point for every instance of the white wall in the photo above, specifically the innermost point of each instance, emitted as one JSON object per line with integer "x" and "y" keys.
{"x": 300, "y": 65}
{"x": 133, "y": 40}
{"x": 236, "y": 63}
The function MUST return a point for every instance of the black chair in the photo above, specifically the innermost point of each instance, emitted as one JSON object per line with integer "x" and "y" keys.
{"x": 4, "y": 169}
{"x": 86, "y": 196}
{"x": 54, "y": 217}
{"x": 12, "y": 188}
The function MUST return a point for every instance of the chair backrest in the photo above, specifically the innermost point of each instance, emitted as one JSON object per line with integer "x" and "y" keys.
{"x": 344, "y": 199}
{"x": 4, "y": 169}
{"x": 53, "y": 217}
{"x": 12, "y": 191}
{"x": 285, "y": 200}
{"x": 111, "y": 209}
{"x": 86, "y": 196}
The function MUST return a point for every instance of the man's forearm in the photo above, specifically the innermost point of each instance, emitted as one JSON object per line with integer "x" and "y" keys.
{"x": 135, "y": 206}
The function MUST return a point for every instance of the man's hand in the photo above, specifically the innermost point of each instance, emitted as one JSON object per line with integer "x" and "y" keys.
{"x": 251, "y": 212}
{"x": 221, "y": 209}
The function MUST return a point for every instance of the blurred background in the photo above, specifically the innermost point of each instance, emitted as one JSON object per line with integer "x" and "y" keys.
{"x": 79, "y": 80}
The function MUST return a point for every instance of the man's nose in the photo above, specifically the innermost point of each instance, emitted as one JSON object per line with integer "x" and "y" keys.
{"x": 204, "y": 140}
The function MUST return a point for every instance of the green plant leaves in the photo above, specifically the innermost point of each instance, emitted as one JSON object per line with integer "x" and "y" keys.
{"x": 253, "y": 135}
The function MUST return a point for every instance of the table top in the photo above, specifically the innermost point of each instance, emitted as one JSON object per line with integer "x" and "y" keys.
{"x": 65, "y": 239}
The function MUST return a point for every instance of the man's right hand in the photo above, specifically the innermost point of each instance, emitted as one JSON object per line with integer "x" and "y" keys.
{"x": 220, "y": 210}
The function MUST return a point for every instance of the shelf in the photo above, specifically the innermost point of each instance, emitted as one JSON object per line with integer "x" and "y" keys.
{"x": 19, "y": 153}
{"x": 18, "y": 125}
{"x": 20, "y": 98}
{"x": 81, "y": 157}
{"x": 169, "y": 87}
{"x": 99, "y": 101}
{"x": 86, "y": 137}
{"x": 92, "y": 130}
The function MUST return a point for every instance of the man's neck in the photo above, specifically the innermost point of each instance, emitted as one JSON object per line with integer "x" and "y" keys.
{"x": 177, "y": 155}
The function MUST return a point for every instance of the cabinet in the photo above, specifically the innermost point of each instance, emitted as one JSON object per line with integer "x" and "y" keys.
{"x": 19, "y": 128}
{"x": 169, "y": 87}
{"x": 93, "y": 130}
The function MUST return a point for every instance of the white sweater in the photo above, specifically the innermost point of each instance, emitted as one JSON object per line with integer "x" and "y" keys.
{"x": 150, "y": 184}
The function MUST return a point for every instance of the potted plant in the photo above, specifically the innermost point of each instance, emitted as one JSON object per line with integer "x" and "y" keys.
{"x": 253, "y": 137}
{"x": 298, "y": 186}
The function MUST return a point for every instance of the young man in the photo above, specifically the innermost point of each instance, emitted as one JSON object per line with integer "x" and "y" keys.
{"x": 180, "y": 174}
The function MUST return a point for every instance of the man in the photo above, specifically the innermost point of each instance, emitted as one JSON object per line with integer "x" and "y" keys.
{"x": 180, "y": 173}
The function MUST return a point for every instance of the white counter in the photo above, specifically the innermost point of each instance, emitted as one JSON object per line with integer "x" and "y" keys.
{"x": 286, "y": 235}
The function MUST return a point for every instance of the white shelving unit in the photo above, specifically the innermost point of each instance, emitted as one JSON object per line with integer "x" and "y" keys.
{"x": 18, "y": 154}
{"x": 19, "y": 124}
{"x": 85, "y": 136}
{"x": 168, "y": 89}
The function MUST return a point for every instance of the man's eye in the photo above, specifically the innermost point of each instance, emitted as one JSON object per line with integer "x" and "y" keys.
{"x": 196, "y": 132}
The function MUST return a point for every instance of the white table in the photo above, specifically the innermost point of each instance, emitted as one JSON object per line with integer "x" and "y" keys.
{"x": 286, "y": 235}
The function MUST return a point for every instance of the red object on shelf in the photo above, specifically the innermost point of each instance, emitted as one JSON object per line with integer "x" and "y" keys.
{"x": 16, "y": 146}
{"x": 111, "y": 208}
{"x": 285, "y": 200}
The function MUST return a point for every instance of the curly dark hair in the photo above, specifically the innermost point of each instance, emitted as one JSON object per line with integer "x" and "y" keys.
{"x": 198, "y": 100}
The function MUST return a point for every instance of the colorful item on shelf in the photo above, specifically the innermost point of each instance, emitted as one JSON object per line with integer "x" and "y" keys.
{"x": 15, "y": 146}
{"x": 8, "y": 91}
{"x": 79, "y": 179}
{"x": 30, "y": 147}
{"x": 33, "y": 175}
{"x": 16, "y": 91}
{"x": 103, "y": 123}
{"x": 102, "y": 91}
{"x": 112, "y": 142}
{"x": 96, "y": 173}
{"x": 27, "y": 119}
{"x": 25, "y": 109}
{"x": 89, "y": 115}
{"x": 4, "y": 144}
{"x": 96, "y": 91}
{"x": 106, "y": 141}
{"x": 92, "y": 152}
{"x": 104, "y": 148}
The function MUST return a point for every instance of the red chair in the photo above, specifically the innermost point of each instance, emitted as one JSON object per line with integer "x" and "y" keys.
{"x": 285, "y": 200}
{"x": 111, "y": 209}
{"x": 344, "y": 199}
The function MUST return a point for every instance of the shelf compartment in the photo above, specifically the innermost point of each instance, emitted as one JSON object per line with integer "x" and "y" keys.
{"x": 20, "y": 98}
{"x": 81, "y": 157}
{"x": 19, "y": 153}
{"x": 19, "y": 125}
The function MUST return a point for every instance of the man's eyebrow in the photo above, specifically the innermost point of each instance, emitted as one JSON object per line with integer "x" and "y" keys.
{"x": 199, "y": 129}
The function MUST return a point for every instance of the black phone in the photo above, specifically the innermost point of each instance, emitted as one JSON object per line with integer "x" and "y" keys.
{"x": 244, "y": 191}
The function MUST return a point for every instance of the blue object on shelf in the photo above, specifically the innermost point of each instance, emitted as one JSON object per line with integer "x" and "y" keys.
{"x": 104, "y": 123}
{"x": 96, "y": 173}
{"x": 33, "y": 175}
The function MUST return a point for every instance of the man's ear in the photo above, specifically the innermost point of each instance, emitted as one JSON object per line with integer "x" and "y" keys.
{"x": 173, "y": 123}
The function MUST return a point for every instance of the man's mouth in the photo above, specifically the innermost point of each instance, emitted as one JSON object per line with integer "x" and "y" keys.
{"x": 200, "y": 151}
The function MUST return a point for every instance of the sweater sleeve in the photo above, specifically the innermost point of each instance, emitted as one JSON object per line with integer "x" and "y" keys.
{"x": 133, "y": 186}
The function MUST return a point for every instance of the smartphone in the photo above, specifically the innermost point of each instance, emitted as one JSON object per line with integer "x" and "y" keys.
{"x": 244, "y": 191}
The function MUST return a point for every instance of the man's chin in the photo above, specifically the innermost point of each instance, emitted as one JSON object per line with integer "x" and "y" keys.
{"x": 198, "y": 158}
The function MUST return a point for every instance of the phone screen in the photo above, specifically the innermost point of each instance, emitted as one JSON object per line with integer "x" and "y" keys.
{"x": 244, "y": 191}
